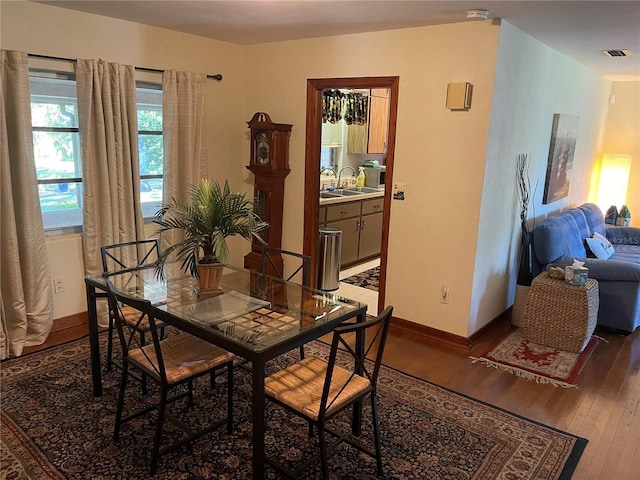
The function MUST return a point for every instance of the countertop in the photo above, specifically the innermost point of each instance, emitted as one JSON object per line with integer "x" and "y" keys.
{"x": 350, "y": 198}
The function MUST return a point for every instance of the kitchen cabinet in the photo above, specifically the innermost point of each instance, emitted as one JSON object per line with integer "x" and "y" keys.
{"x": 374, "y": 205}
{"x": 372, "y": 137}
{"x": 344, "y": 210}
{"x": 378, "y": 120}
{"x": 370, "y": 236}
{"x": 361, "y": 225}
{"x": 350, "y": 239}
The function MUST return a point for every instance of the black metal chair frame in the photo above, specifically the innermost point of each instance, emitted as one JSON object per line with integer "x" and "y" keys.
{"x": 129, "y": 341}
{"x": 148, "y": 248}
{"x": 147, "y": 252}
{"x": 266, "y": 262}
{"x": 370, "y": 370}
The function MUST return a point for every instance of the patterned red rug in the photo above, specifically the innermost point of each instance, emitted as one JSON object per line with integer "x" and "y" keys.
{"x": 53, "y": 429}
{"x": 537, "y": 362}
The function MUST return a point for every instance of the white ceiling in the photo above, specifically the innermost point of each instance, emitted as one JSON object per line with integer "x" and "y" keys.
{"x": 578, "y": 29}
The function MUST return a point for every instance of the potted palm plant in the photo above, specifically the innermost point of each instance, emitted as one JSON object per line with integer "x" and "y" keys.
{"x": 213, "y": 214}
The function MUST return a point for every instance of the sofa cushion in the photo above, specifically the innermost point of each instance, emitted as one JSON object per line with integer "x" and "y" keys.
{"x": 600, "y": 246}
{"x": 558, "y": 236}
{"x": 581, "y": 221}
{"x": 627, "y": 253}
{"x": 624, "y": 236}
{"x": 594, "y": 217}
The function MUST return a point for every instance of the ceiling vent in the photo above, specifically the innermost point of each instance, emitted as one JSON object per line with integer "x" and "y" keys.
{"x": 617, "y": 53}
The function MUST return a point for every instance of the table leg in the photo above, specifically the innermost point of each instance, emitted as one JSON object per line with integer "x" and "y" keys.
{"x": 356, "y": 424}
{"x": 96, "y": 372}
{"x": 257, "y": 408}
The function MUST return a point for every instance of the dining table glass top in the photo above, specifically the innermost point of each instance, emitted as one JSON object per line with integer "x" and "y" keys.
{"x": 253, "y": 310}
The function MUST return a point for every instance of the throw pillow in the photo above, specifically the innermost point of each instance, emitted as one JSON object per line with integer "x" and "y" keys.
{"x": 600, "y": 246}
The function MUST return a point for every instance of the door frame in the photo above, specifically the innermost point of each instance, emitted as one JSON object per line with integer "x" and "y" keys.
{"x": 312, "y": 165}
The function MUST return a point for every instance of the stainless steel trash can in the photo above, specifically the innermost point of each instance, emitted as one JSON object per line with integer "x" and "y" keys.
{"x": 329, "y": 253}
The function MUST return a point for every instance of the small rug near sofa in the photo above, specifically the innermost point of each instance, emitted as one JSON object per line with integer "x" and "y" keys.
{"x": 369, "y": 279}
{"x": 537, "y": 362}
{"x": 56, "y": 429}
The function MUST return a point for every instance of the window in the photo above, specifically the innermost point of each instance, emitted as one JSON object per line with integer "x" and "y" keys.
{"x": 149, "y": 99}
{"x": 56, "y": 141}
{"x": 328, "y": 157}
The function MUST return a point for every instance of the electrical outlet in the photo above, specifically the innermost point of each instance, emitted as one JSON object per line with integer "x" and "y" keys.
{"x": 444, "y": 293}
{"x": 58, "y": 285}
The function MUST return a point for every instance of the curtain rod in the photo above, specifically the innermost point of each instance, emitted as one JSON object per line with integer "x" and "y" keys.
{"x": 217, "y": 76}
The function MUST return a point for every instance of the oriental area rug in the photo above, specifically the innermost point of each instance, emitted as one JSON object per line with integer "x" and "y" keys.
{"x": 532, "y": 361}
{"x": 369, "y": 279}
{"x": 53, "y": 428}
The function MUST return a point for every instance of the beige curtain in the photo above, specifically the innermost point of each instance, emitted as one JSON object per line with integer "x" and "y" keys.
{"x": 184, "y": 133}
{"x": 111, "y": 176}
{"x": 26, "y": 291}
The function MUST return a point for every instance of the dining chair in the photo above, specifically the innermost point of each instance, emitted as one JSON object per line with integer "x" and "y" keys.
{"x": 317, "y": 389}
{"x": 299, "y": 272}
{"x": 299, "y": 268}
{"x": 170, "y": 362}
{"x": 125, "y": 257}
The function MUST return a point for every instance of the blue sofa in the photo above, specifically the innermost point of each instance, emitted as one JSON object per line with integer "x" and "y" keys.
{"x": 561, "y": 238}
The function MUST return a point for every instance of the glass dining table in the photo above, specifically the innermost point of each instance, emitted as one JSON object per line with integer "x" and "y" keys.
{"x": 255, "y": 316}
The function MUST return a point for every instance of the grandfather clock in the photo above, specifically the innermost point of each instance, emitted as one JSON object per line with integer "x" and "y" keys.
{"x": 269, "y": 163}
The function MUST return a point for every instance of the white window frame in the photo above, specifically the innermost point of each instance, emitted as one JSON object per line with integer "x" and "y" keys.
{"x": 70, "y": 220}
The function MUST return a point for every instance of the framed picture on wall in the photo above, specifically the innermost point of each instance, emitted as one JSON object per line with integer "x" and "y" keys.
{"x": 563, "y": 145}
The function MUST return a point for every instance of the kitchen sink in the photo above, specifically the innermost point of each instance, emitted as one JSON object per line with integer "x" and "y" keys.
{"x": 329, "y": 195}
{"x": 349, "y": 192}
{"x": 360, "y": 190}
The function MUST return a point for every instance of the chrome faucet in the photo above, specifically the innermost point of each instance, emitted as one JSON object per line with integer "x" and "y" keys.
{"x": 342, "y": 170}
{"x": 323, "y": 171}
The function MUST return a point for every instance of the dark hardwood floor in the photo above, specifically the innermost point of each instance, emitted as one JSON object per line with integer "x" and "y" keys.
{"x": 604, "y": 409}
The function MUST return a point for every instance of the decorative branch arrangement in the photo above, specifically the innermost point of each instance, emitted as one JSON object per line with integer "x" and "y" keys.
{"x": 524, "y": 186}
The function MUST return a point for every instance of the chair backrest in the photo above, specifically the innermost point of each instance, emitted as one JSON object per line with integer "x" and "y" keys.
{"x": 137, "y": 313}
{"x": 374, "y": 332}
{"x": 127, "y": 256}
{"x": 299, "y": 265}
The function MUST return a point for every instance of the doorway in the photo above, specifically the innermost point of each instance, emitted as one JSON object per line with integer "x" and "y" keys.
{"x": 315, "y": 88}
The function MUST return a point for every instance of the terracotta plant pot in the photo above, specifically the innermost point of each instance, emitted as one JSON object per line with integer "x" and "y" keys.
{"x": 209, "y": 278}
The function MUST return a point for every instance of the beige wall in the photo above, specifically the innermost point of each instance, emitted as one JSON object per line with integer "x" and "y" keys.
{"x": 533, "y": 82}
{"x": 439, "y": 153}
{"x": 458, "y": 223}
{"x": 623, "y": 136}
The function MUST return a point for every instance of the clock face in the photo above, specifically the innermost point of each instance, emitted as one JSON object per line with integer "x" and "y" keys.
{"x": 262, "y": 149}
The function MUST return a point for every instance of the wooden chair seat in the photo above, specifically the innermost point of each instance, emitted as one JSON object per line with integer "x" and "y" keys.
{"x": 131, "y": 316}
{"x": 300, "y": 387}
{"x": 184, "y": 356}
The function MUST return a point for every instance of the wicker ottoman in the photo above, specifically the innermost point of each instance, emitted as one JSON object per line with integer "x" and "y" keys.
{"x": 560, "y": 315}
